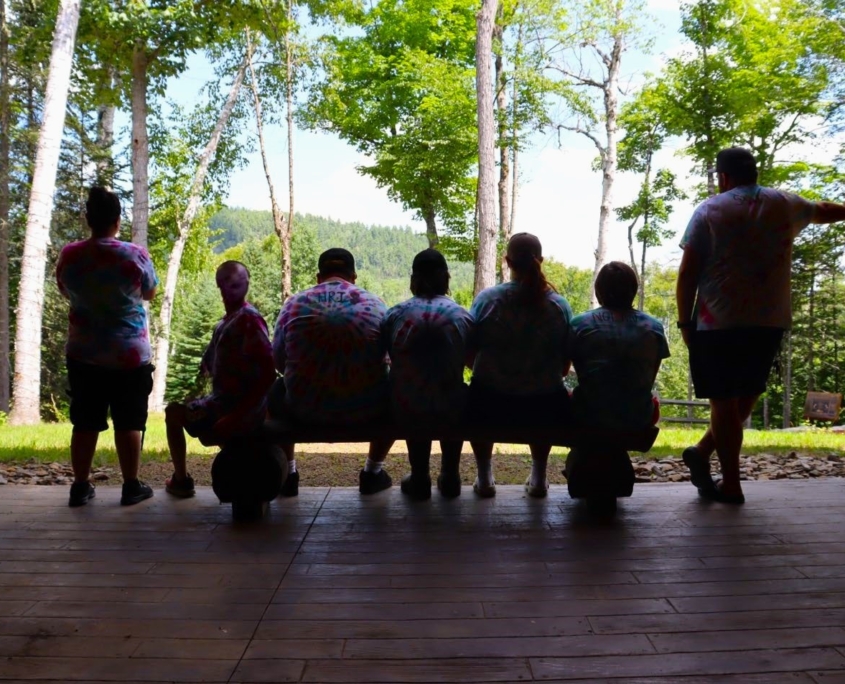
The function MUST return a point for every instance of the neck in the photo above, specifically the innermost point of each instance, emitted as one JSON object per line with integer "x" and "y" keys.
{"x": 231, "y": 307}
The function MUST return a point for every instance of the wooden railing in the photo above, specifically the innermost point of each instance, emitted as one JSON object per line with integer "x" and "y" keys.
{"x": 690, "y": 417}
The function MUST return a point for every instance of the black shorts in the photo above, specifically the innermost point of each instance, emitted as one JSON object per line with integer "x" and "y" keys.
{"x": 94, "y": 390}
{"x": 734, "y": 363}
{"x": 489, "y": 407}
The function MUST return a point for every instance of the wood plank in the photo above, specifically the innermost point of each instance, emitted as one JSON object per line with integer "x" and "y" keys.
{"x": 745, "y": 640}
{"x": 127, "y": 628}
{"x": 117, "y": 670}
{"x": 146, "y": 611}
{"x": 430, "y": 670}
{"x": 303, "y": 649}
{"x": 726, "y": 604}
{"x": 577, "y": 608}
{"x": 713, "y": 664}
{"x": 368, "y": 611}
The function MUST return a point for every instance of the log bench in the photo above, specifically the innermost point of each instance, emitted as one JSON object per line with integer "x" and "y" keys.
{"x": 279, "y": 432}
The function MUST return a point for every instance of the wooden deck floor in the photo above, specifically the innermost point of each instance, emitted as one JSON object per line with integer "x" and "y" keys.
{"x": 336, "y": 588}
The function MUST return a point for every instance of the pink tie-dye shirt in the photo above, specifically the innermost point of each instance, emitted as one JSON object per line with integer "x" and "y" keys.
{"x": 106, "y": 281}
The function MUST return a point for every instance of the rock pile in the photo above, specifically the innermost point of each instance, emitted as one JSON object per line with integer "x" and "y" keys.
{"x": 34, "y": 473}
{"x": 791, "y": 466}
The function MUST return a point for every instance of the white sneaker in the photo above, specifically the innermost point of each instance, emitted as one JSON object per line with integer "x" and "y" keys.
{"x": 537, "y": 491}
{"x": 484, "y": 491}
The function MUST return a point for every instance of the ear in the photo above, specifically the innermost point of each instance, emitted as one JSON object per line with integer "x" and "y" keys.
{"x": 353, "y": 278}
{"x": 319, "y": 279}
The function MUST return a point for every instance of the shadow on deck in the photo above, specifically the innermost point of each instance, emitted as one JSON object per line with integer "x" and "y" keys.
{"x": 336, "y": 588}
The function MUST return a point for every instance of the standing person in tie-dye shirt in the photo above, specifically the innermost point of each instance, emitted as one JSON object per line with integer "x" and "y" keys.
{"x": 428, "y": 339}
{"x": 521, "y": 333}
{"x": 616, "y": 352}
{"x": 329, "y": 349}
{"x": 734, "y": 304}
{"x": 239, "y": 361}
{"x": 108, "y": 346}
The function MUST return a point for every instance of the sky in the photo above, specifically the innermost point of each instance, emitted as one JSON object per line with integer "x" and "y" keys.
{"x": 559, "y": 194}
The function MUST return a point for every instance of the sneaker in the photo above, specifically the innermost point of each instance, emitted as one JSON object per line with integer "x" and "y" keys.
{"x": 80, "y": 494}
{"x": 418, "y": 488}
{"x": 484, "y": 491}
{"x": 134, "y": 492}
{"x": 536, "y": 491}
{"x": 449, "y": 485}
{"x": 372, "y": 483}
{"x": 290, "y": 487}
{"x": 184, "y": 488}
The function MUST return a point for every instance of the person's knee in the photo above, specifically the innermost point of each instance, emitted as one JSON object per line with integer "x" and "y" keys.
{"x": 725, "y": 410}
{"x": 174, "y": 415}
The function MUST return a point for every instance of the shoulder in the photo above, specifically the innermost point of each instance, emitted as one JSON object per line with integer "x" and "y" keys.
{"x": 561, "y": 303}
{"x": 647, "y": 321}
{"x": 364, "y": 296}
{"x": 492, "y": 294}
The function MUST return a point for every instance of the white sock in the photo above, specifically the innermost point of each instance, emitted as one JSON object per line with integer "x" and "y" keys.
{"x": 485, "y": 472}
{"x": 292, "y": 466}
{"x": 538, "y": 473}
{"x": 372, "y": 466}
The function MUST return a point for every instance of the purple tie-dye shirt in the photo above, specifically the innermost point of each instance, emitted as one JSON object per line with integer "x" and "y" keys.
{"x": 328, "y": 347}
{"x": 106, "y": 281}
{"x": 744, "y": 238}
{"x": 428, "y": 341}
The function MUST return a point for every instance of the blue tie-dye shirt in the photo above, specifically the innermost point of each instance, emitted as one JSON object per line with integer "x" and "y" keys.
{"x": 428, "y": 340}
{"x": 616, "y": 355}
{"x": 329, "y": 348}
{"x": 522, "y": 348}
{"x": 106, "y": 281}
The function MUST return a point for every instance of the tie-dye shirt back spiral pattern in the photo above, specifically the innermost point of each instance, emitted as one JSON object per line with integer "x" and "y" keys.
{"x": 428, "y": 340}
{"x": 328, "y": 347}
{"x": 106, "y": 281}
{"x": 744, "y": 237}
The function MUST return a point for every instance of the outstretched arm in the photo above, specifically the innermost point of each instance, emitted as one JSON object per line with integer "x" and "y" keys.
{"x": 829, "y": 212}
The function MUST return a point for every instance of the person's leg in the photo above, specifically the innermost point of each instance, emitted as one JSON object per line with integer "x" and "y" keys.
{"x": 726, "y": 423}
{"x": 373, "y": 477}
{"x": 449, "y": 480}
{"x": 83, "y": 445}
{"x": 707, "y": 444}
{"x": 128, "y": 446}
{"x": 484, "y": 483}
{"x": 417, "y": 484}
{"x": 175, "y": 416}
{"x": 377, "y": 454}
{"x": 538, "y": 483}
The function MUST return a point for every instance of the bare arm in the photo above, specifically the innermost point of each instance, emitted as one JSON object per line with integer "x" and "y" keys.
{"x": 689, "y": 273}
{"x": 149, "y": 295}
{"x": 829, "y": 212}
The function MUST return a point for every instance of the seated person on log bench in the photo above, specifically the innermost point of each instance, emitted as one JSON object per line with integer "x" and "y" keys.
{"x": 239, "y": 360}
{"x": 108, "y": 345}
{"x": 427, "y": 338}
{"x": 522, "y": 328}
{"x": 616, "y": 351}
{"x": 329, "y": 349}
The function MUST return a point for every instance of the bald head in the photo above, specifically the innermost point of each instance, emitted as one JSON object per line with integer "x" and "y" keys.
{"x": 233, "y": 282}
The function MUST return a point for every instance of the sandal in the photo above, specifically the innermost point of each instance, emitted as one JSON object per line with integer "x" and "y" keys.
{"x": 716, "y": 494}
{"x": 184, "y": 489}
{"x": 699, "y": 470}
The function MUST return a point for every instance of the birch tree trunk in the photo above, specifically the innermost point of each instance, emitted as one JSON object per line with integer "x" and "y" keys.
{"x": 485, "y": 263}
{"x": 140, "y": 146}
{"x": 162, "y": 341}
{"x": 430, "y": 219}
{"x": 504, "y": 155}
{"x": 280, "y": 225}
{"x": 5, "y": 125}
{"x": 27, "y": 385}
{"x": 287, "y": 274}
{"x": 609, "y": 158}
{"x": 105, "y": 139}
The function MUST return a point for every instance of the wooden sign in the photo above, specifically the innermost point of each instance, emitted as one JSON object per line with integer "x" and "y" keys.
{"x": 822, "y": 406}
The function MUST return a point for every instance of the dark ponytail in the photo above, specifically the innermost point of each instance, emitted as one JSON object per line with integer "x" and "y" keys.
{"x": 530, "y": 276}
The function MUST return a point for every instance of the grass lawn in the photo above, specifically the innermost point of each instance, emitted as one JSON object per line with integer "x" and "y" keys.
{"x": 49, "y": 442}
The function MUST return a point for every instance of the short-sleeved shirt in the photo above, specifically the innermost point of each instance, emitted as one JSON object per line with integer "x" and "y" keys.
{"x": 238, "y": 353}
{"x": 428, "y": 342}
{"x": 521, "y": 346}
{"x": 616, "y": 355}
{"x": 744, "y": 237}
{"x": 106, "y": 281}
{"x": 329, "y": 348}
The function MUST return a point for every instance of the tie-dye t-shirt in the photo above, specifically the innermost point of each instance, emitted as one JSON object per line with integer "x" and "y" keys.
{"x": 233, "y": 358}
{"x": 428, "y": 341}
{"x": 106, "y": 281}
{"x": 329, "y": 348}
{"x": 744, "y": 237}
{"x": 616, "y": 355}
{"x": 521, "y": 348}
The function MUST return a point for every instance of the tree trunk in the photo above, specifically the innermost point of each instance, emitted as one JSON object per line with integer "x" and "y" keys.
{"x": 287, "y": 273}
{"x": 140, "y": 146}
{"x": 642, "y": 277}
{"x": 162, "y": 342}
{"x": 430, "y": 219}
{"x": 504, "y": 151}
{"x": 27, "y": 387}
{"x": 105, "y": 139}
{"x": 280, "y": 224}
{"x": 5, "y": 125}
{"x": 485, "y": 263}
{"x": 609, "y": 160}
